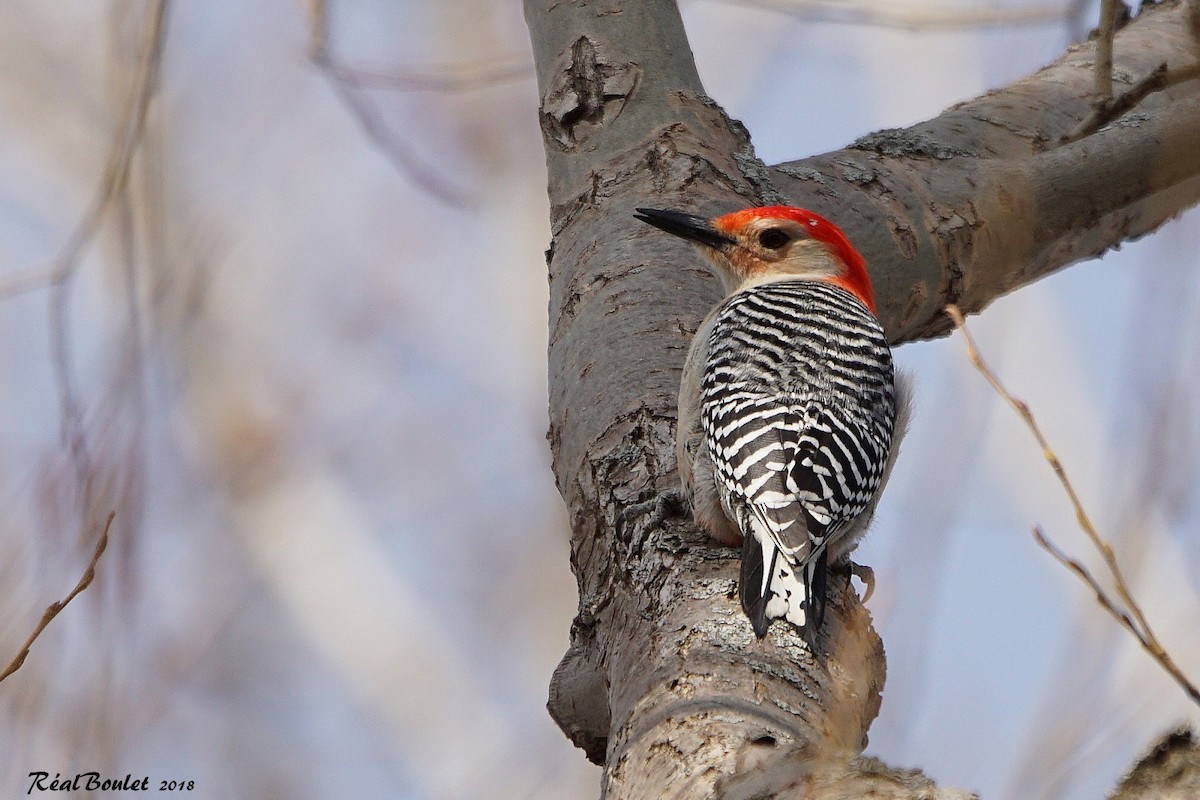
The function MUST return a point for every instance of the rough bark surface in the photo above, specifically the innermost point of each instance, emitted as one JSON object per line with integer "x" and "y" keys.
{"x": 1170, "y": 771}
{"x": 664, "y": 684}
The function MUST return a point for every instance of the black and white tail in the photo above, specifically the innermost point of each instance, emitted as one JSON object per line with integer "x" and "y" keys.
{"x": 773, "y": 585}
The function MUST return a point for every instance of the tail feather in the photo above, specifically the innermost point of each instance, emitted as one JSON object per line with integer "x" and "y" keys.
{"x": 816, "y": 573}
{"x": 756, "y": 563}
{"x": 772, "y": 588}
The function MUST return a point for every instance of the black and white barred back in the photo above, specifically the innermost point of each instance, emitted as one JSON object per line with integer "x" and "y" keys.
{"x": 798, "y": 407}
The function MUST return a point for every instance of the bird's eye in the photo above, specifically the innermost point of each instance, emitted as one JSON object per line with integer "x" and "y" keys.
{"x": 773, "y": 238}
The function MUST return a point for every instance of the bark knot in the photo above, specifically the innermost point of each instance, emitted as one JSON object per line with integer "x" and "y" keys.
{"x": 587, "y": 92}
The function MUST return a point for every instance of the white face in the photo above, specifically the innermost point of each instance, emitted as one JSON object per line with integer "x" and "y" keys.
{"x": 771, "y": 249}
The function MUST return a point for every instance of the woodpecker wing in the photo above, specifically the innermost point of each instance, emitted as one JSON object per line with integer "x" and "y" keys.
{"x": 797, "y": 408}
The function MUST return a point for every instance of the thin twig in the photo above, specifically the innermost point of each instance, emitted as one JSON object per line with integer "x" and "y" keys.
{"x": 930, "y": 17}
{"x": 1105, "y": 112}
{"x": 1135, "y": 620}
{"x": 1142, "y": 632}
{"x": 1084, "y": 575}
{"x": 457, "y": 78}
{"x": 1104, "y": 49}
{"x": 27, "y": 279}
{"x": 447, "y": 78}
{"x": 53, "y": 609}
{"x": 131, "y": 121}
{"x": 1180, "y": 74}
{"x": 348, "y": 86}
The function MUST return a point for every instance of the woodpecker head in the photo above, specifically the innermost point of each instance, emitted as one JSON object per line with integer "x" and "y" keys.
{"x": 760, "y": 245}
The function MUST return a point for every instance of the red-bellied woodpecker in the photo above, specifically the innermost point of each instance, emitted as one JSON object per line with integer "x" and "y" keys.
{"x": 790, "y": 414}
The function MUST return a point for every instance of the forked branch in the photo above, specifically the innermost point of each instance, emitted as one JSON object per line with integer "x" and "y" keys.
{"x": 1124, "y": 609}
{"x": 131, "y": 123}
{"x": 349, "y": 85}
{"x": 1110, "y": 108}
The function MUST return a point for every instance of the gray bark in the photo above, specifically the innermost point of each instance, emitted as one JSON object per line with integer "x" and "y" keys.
{"x": 663, "y": 683}
{"x": 1170, "y": 771}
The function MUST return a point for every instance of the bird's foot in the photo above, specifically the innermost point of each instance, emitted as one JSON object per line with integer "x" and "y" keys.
{"x": 864, "y": 574}
{"x": 664, "y": 505}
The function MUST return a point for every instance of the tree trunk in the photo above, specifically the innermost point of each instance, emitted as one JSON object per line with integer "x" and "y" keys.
{"x": 664, "y": 683}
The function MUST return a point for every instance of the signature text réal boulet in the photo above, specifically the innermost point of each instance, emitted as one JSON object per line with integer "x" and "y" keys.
{"x": 87, "y": 781}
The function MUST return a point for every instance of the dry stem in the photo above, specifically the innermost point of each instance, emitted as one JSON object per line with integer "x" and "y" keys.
{"x": 1133, "y": 620}
{"x": 53, "y": 609}
{"x": 1104, "y": 50}
{"x": 1107, "y": 110}
{"x": 932, "y": 16}
{"x": 132, "y": 121}
{"x": 449, "y": 78}
{"x": 349, "y": 84}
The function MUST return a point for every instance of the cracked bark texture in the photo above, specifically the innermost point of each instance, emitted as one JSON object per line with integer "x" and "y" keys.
{"x": 664, "y": 684}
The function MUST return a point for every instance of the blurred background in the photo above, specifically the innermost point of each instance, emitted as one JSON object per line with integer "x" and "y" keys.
{"x": 300, "y": 352}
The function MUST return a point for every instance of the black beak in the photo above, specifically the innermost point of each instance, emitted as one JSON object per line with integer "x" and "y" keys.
{"x": 685, "y": 226}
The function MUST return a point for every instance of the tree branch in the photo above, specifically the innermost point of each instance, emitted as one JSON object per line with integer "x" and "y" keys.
{"x": 53, "y": 610}
{"x": 932, "y": 16}
{"x": 131, "y": 122}
{"x": 656, "y": 678}
{"x": 1108, "y": 110}
{"x": 1128, "y": 612}
{"x": 1170, "y": 770}
{"x": 1110, "y": 10}
{"x": 348, "y": 84}
{"x": 976, "y": 202}
{"x": 663, "y": 682}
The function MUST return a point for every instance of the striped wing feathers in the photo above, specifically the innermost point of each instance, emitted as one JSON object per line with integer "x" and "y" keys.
{"x": 797, "y": 407}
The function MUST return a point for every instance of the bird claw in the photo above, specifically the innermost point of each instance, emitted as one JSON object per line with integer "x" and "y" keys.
{"x": 864, "y": 574}
{"x": 669, "y": 503}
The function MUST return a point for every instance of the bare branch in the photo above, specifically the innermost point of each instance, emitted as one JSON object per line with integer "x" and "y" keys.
{"x": 1108, "y": 110}
{"x": 929, "y": 17}
{"x": 53, "y": 609}
{"x": 1181, "y": 74}
{"x": 112, "y": 186}
{"x": 28, "y": 279}
{"x": 1023, "y": 410}
{"x": 131, "y": 121}
{"x": 348, "y": 86}
{"x": 1170, "y": 769}
{"x": 450, "y": 78}
{"x": 1109, "y": 9}
{"x": 1084, "y": 575}
{"x": 1135, "y": 620}
{"x": 962, "y": 208}
{"x": 973, "y": 203}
